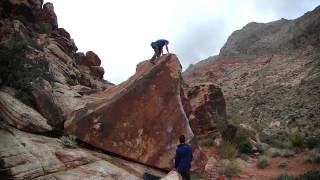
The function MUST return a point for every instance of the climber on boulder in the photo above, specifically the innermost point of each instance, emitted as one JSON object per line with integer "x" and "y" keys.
{"x": 183, "y": 158}
{"x": 158, "y": 48}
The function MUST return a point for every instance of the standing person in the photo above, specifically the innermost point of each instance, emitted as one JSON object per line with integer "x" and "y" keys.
{"x": 183, "y": 158}
{"x": 158, "y": 48}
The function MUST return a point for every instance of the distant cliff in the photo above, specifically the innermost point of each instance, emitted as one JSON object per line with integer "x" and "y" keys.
{"x": 270, "y": 76}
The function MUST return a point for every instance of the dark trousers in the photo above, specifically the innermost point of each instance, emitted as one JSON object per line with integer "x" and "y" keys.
{"x": 185, "y": 174}
{"x": 157, "y": 52}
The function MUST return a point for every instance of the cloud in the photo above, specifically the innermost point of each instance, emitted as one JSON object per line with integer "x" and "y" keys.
{"x": 290, "y": 9}
{"x": 198, "y": 40}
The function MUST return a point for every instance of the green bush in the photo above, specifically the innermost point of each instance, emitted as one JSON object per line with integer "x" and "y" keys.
{"x": 285, "y": 176}
{"x": 244, "y": 157}
{"x": 262, "y": 163}
{"x": 239, "y": 137}
{"x": 69, "y": 141}
{"x": 313, "y": 157}
{"x": 296, "y": 140}
{"x": 231, "y": 168}
{"x": 312, "y": 142}
{"x": 279, "y": 144}
{"x": 311, "y": 175}
{"x": 19, "y": 72}
{"x": 227, "y": 150}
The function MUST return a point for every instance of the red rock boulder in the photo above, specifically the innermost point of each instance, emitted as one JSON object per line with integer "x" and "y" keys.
{"x": 140, "y": 119}
{"x": 91, "y": 59}
{"x": 208, "y": 109}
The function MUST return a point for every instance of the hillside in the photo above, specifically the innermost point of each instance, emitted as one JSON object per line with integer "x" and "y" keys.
{"x": 270, "y": 76}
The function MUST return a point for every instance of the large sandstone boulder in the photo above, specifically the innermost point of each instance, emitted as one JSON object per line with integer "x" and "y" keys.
{"x": 141, "y": 118}
{"x": 208, "y": 109}
{"x": 21, "y": 116}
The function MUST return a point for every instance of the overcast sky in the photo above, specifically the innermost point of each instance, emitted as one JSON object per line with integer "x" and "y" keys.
{"x": 120, "y": 31}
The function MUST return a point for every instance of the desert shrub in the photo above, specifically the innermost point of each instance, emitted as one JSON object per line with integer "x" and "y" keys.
{"x": 206, "y": 142}
{"x": 227, "y": 150}
{"x": 239, "y": 137}
{"x": 229, "y": 132}
{"x": 312, "y": 142}
{"x": 279, "y": 144}
{"x": 283, "y": 164}
{"x": 296, "y": 140}
{"x": 231, "y": 168}
{"x": 313, "y": 157}
{"x": 21, "y": 73}
{"x": 285, "y": 176}
{"x": 244, "y": 157}
{"x": 45, "y": 28}
{"x": 242, "y": 140}
{"x": 262, "y": 163}
{"x": 311, "y": 175}
{"x": 69, "y": 141}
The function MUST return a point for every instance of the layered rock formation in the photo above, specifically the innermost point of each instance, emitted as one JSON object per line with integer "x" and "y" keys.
{"x": 141, "y": 119}
{"x": 269, "y": 74}
{"x": 39, "y": 61}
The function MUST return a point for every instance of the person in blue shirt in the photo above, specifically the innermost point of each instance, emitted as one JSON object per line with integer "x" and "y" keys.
{"x": 158, "y": 48}
{"x": 183, "y": 158}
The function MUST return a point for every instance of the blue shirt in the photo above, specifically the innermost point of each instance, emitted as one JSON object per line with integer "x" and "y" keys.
{"x": 161, "y": 42}
{"x": 183, "y": 157}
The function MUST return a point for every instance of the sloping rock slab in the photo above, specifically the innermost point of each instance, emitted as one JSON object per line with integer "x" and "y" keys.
{"x": 21, "y": 116}
{"x": 29, "y": 156}
{"x": 140, "y": 119}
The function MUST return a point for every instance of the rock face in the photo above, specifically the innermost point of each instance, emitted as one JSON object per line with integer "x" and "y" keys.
{"x": 140, "y": 119}
{"x": 21, "y": 116}
{"x": 269, "y": 75}
{"x": 208, "y": 108}
{"x": 274, "y": 37}
{"x": 39, "y": 61}
{"x": 29, "y": 156}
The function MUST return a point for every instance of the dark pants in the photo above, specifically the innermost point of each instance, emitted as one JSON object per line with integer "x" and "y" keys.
{"x": 185, "y": 174}
{"x": 157, "y": 51}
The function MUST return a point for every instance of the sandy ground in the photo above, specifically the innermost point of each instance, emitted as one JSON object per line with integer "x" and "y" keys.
{"x": 249, "y": 171}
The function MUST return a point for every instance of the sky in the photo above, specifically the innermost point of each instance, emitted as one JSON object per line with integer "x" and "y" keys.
{"x": 120, "y": 31}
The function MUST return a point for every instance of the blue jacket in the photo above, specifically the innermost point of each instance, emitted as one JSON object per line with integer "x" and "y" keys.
{"x": 183, "y": 157}
{"x": 161, "y": 42}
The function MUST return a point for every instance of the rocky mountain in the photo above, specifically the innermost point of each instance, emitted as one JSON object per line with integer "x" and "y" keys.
{"x": 59, "y": 119}
{"x": 270, "y": 76}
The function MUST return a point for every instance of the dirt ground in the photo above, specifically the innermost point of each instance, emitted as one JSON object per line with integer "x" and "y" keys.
{"x": 249, "y": 171}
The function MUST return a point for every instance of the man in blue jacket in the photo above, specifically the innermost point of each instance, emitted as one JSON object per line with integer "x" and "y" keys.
{"x": 183, "y": 158}
{"x": 158, "y": 48}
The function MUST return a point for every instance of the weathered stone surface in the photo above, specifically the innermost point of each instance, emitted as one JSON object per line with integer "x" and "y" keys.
{"x": 140, "y": 119}
{"x": 63, "y": 40}
{"x": 26, "y": 8}
{"x": 22, "y": 116}
{"x": 49, "y": 16}
{"x": 59, "y": 53}
{"x": 208, "y": 109}
{"x": 172, "y": 175}
{"x": 30, "y": 156}
{"x": 91, "y": 59}
{"x": 47, "y": 104}
{"x": 97, "y": 71}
